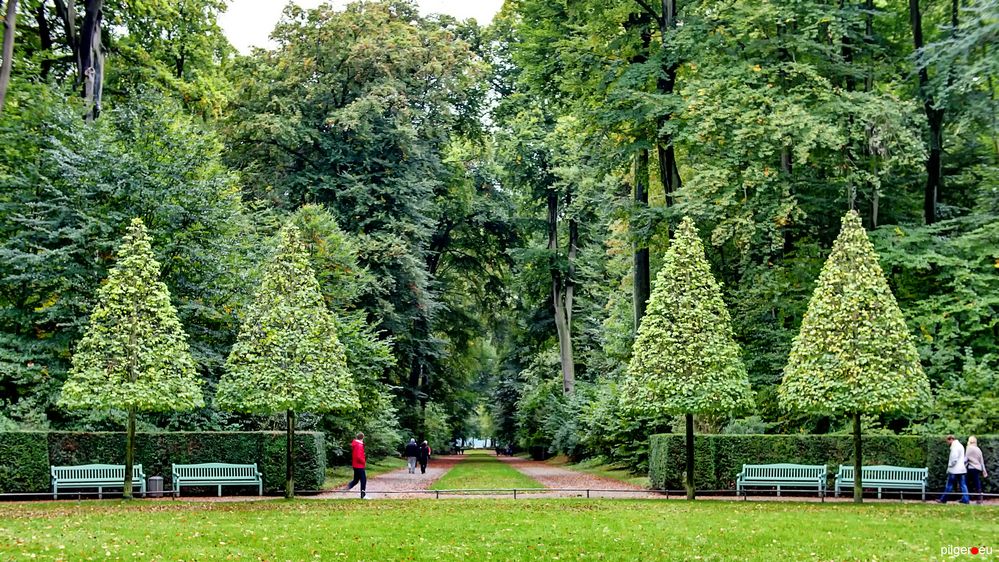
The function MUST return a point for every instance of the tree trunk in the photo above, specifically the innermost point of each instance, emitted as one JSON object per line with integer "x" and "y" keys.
{"x": 44, "y": 40}
{"x": 129, "y": 455}
{"x": 934, "y": 118}
{"x": 289, "y": 483}
{"x": 858, "y": 462}
{"x": 669, "y": 173}
{"x": 642, "y": 274}
{"x": 562, "y": 297}
{"x": 91, "y": 63}
{"x": 67, "y": 13}
{"x": 689, "y": 481}
{"x": 9, "y": 25}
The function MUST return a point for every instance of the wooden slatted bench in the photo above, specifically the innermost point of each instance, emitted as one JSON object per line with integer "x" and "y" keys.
{"x": 98, "y": 476}
{"x": 217, "y": 474}
{"x": 798, "y": 476}
{"x": 883, "y": 476}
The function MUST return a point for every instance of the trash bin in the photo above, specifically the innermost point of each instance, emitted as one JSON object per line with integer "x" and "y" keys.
{"x": 154, "y": 486}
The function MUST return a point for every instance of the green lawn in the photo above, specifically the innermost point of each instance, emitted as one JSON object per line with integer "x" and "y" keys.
{"x": 337, "y": 476}
{"x": 600, "y": 467}
{"x": 480, "y": 469}
{"x": 490, "y": 530}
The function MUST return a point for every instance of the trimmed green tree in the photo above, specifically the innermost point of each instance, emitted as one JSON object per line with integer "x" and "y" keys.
{"x": 287, "y": 357}
{"x": 853, "y": 354}
{"x": 134, "y": 354}
{"x": 685, "y": 359}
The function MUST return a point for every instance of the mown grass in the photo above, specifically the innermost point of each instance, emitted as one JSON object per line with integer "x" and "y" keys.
{"x": 490, "y": 530}
{"x": 599, "y": 466}
{"x": 337, "y": 476}
{"x": 480, "y": 470}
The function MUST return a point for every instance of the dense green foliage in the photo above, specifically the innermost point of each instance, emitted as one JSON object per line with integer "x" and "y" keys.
{"x": 24, "y": 466}
{"x": 287, "y": 356}
{"x": 535, "y": 530}
{"x": 720, "y": 457}
{"x": 134, "y": 354}
{"x": 854, "y": 353}
{"x": 685, "y": 360}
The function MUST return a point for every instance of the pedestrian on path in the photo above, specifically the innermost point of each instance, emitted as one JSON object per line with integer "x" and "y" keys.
{"x": 357, "y": 460}
{"x": 412, "y": 451}
{"x": 424, "y": 457}
{"x": 976, "y": 468}
{"x": 956, "y": 471}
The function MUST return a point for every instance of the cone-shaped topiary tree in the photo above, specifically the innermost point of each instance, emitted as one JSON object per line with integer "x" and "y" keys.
{"x": 853, "y": 354}
{"x": 134, "y": 354}
{"x": 685, "y": 360}
{"x": 287, "y": 357}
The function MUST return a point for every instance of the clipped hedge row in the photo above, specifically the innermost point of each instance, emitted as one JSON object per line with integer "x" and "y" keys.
{"x": 25, "y": 456}
{"x": 719, "y": 458}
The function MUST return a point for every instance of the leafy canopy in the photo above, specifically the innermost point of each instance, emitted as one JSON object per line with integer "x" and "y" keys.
{"x": 685, "y": 359}
{"x": 854, "y": 352}
{"x": 287, "y": 355}
{"x": 134, "y": 354}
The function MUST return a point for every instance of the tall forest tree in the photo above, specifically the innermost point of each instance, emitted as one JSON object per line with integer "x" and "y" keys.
{"x": 686, "y": 360}
{"x": 134, "y": 354}
{"x": 287, "y": 358}
{"x": 854, "y": 354}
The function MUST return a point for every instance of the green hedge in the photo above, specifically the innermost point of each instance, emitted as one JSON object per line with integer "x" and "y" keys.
{"x": 719, "y": 458}
{"x": 25, "y": 456}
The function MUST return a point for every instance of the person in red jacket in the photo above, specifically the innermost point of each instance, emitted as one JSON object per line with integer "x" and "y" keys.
{"x": 358, "y": 462}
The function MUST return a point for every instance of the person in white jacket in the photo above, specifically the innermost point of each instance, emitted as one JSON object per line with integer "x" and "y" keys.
{"x": 956, "y": 470}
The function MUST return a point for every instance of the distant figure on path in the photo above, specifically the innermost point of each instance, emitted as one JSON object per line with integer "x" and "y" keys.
{"x": 976, "y": 468}
{"x": 956, "y": 471}
{"x": 412, "y": 451}
{"x": 424, "y": 457}
{"x": 358, "y": 462}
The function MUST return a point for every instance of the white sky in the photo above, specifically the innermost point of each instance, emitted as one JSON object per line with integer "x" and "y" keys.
{"x": 248, "y": 23}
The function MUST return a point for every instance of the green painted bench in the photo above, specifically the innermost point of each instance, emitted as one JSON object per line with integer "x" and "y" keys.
{"x": 882, "y": 476}
{"x": 797, "y": 476}
{"x": 217, "y": 474}
{"x": 98, "y": 476}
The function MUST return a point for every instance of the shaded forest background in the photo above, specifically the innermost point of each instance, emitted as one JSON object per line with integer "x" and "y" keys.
{"x": 485, "y": 206}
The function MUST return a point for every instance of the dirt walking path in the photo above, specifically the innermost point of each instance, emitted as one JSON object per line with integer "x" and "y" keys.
{"x": 398, "y": 482}
{"x": 551, "y": 476}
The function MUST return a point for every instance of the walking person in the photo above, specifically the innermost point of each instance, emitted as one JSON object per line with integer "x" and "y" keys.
{"x": 412, "y": 451}
{"x": 357, "y": 460}
{"x": 424, "y": 457}
{"x": 976, "y": 468}
{"x": 956, "y": 471}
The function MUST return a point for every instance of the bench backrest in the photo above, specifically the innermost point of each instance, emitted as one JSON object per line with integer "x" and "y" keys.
{"x": 783, "y": 471}
{"x": 886, "y": 473}
{"x": 215, "y": 470}
{"x": 94, "y": 472}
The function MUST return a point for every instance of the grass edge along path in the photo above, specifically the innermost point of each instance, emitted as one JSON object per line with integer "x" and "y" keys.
{"x": 599, "y": 466}
{"x": 484, "y": 529}
{"x": 482, "y": 470}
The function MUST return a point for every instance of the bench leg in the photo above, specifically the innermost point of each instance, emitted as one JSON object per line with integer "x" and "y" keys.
{"x": 879, "y": 493}
{"x": 260, "y": 489}
{"x": 55, "y": 492}
{"x": 778, "y": 491}
{"x": 220, "y": 490}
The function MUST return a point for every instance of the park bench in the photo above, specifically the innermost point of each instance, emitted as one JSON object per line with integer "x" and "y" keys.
{"x": 796, "y": 476}
{"x": 881, "y": 476}
{"x": 217, "y": 474}
{"x": 98, "y": 476}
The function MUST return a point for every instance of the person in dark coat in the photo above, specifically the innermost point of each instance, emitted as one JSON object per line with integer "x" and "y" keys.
{"x": 424, "y": 457}
{"x": 412, "y": 451}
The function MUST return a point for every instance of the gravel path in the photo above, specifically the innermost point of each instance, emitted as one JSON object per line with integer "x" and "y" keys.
{"x": 398, "y": 482}
{"x": 551, "y": 476}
